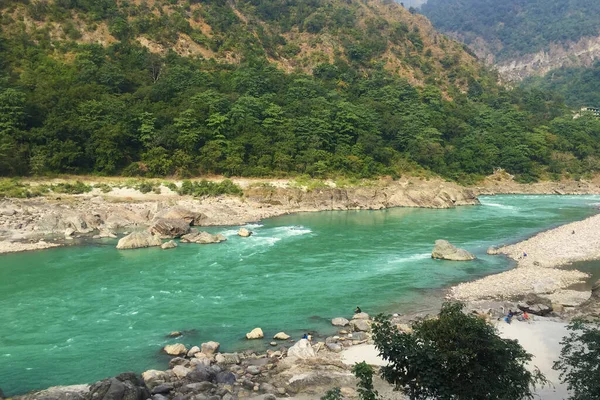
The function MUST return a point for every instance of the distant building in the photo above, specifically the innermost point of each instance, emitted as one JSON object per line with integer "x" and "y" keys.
{"x": 594, "y": 110}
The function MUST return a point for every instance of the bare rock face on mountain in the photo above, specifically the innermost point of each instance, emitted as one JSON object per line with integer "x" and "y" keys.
{"x": 170, "y": 228}
{"x": 137, "y": 240}
{"x": 443, "y": 250}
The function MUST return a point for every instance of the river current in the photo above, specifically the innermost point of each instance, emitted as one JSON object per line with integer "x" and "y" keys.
{"x": 82, "y": 313}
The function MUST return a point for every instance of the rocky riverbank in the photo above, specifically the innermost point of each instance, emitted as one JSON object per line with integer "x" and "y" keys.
{"x": 32, "y": 224}
{"x": 538, "y": 261}
{"x": 293, "y": 367}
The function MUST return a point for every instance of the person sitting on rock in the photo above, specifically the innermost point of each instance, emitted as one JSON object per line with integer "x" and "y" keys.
{"x": 305, "y": 336}
{"x": 357, "y": 310}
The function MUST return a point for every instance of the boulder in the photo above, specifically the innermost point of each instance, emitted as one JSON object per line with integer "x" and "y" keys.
{"x": 180, "y": 371}
{"x": 173, "y": 362}
{"x": 210, "y": 348}
{"x": 190, "y": 217}
{"x": 105, "y": 233}
{"x": 201, "y": 374}
{"x": 256, "y": 333}
{"x": 443, "y": 250}
{"x": 361, "y": 315}
{"x": 175, "y": 349}
{"x": 137, "y": 240}
{"x": 360, "y": 325}
{"x": 226, "y": 378}
{"x": 253, "y": 370}
{"x": 69, "y": 232}
{"x": 336, "y": 348}
{"x": 243, "y": 232}
{"x": 281, "y": 336}
{"x": 170, "y": 228}
{"x": 168, "y": 245}
{"x": 302, "y": 349}
{"x": 75, "y": 392}
{"x": 192, "y": 352}
{"x": 154, "y": 377}
{"x": 596, "y": 290}
{"x": 202, "y": 237}
{"x": 126, "y": 386}
{"x": 163, "y": 388}
{"x": 360, "y": 336}
{"x": 175, "y": 334}
{"x": 339, "y": 322}
{"x": 228, "y": 358}
{"x": 9, "y": 212}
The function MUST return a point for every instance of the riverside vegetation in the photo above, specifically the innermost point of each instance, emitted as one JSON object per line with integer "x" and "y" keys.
{"x": 265, "y": 88}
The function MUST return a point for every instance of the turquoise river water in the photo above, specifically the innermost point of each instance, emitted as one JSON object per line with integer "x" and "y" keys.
{"x": 82, "y": 313}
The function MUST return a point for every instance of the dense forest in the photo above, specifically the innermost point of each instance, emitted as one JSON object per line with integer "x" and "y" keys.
{"x": 512, "y": 28}
{"x": 579, "y": 86}
{"x": 265, "y": 88}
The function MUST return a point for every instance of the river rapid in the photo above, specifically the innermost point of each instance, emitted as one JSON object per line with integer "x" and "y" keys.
{"x": 82, "y": 313}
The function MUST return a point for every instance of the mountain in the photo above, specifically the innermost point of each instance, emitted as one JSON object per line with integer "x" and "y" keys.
{"x": 523, "y": 37}
{"x": 358, "y": 88}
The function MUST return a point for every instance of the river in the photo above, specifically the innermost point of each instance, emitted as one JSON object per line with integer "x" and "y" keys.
{"x": 82, "y": 313}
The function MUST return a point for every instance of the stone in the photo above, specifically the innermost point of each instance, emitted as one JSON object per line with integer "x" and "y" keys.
{"x": 163, "y": 388}
{"x": 151, "y": 376}
{"x": 159, "y": 397}
{"x": 210, "y": 348}
{"x": 227, "y": 358}
{"x": 267, "y": 388}
{"x": 195, "y": 362}
{"x": 178, "y": 361}
{"x": 202, "y": 237}
{"x": 74, "y": 392}
{"x": 104, "y": 233}
{"x": 197, "y": 387}
{"x": 190, "y": 217}
{"x": 9, "y": 212}
{"x": 137, "y": 240}
{"x": 181, "y": 371}
{"x": 443, "y": 250}
{"x": 168, "y": 245}
{"x": 175, "y": 334}
{"x": 201, "y": 374}
{"x": 69, "y": 232}
{"x": 360, "y": 325}
{"x": 596, "y": 290}
{"x": 243, "y": 232}
{"x": 301, "y": 349}
{"x": 336, "y": 348}
{"x": 281, "y": 336}
{"x": 558, "y": 308}
{"x": 122, "y": 387}
{"x": 170, "y": 228}
{"x": 339, "y": 322}
{"x": 175, "y": 349}
{"x": 256, "y": 333}
{"x": 253, "y": 370}
{"x": 361, "y": 315}
{"x": 192, "y": 352}
{"x": 226, "y": 378}
{"x": 360, "y": 336}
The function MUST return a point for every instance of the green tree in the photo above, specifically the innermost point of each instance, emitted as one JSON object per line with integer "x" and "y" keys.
{"x": 454, "y": 357}
{"x": 579, "y": 362}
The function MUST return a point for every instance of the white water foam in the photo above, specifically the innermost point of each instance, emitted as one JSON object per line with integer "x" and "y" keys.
{"x": 414, "y": 257}
{"x": 502, "y": 206}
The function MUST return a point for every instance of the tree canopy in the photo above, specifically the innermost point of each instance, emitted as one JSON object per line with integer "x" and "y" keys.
{"x": 455, "y": 356}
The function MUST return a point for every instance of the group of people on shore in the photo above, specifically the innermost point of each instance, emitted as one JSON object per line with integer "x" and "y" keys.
{"x": 521, "y": 316}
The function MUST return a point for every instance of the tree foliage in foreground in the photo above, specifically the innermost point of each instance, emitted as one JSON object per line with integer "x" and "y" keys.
{"x": 454, "y": 357}
{"x": 579, "y": 362}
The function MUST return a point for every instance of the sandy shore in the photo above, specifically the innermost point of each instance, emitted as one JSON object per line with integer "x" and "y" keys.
{"x": 538, "y": 260}
{"x": 540, "y": 337}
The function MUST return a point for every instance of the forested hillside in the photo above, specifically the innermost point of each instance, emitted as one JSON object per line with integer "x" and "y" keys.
{"x": 579, "y": 86}
{"x": 512, "y": 28}
{"x": 264, "y": 88}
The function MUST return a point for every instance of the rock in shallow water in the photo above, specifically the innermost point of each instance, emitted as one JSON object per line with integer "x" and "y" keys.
{"x": 168, "y": 245}
{"x": 137, "y": 240}
{"x": 175, "y": 349}
{"x": 243, "y": 232}
{"x": 339, "y": 322}
{"x": 443, "y": 250}
{"x": 202, "y": 238}
{"x": 256, "y": 333}
{"x": 281, "y": 336}
{"x": 170, "y": 228}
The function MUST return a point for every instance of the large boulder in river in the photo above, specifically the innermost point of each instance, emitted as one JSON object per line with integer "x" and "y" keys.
{"x": 243, "y": 232}
{"x": 256, "y": 333}
{"x": 202, "y": 237}
{"x": 168, "y": 245}
{"x": 360, "y": 325}
{"x": 170, "y": 228}
{"x": 137, "y": 240}
{"x": 340, "y": 321}
{"x": 74, "y": 392}
{"x": 445, "y": 251}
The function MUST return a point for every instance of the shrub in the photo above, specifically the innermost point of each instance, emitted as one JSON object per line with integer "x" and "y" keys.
{"x": 206, "y": 188}
{"x": 71, "y": 188}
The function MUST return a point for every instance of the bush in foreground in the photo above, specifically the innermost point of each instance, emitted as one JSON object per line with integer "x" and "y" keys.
{"x": 455, "y": 356}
